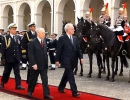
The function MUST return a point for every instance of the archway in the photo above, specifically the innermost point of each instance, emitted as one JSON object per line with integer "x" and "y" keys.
{"x": 7, "y": 17}
{"x": 24, "y": 16}
{"x": 43, "y": 16}
{"x": 65, "y": 12}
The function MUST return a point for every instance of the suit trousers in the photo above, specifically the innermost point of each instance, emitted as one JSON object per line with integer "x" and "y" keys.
{"x": 68, "y": 76}
{"x": 7, "y": 70}
{"x": 33, "y": 79}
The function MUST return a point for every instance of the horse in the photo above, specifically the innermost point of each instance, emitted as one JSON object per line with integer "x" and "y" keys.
{"x": 112, "y": 48}
{"x": 82, "y": 43}
{"x": 93, "y": 46}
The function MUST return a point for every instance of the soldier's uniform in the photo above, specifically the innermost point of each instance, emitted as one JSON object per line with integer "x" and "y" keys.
{"x": 23, "y": 58}
{"x": 52, "y": 51}
{"x": 11, "y": 55}
{"x": 28, "y": 36}
{"x": 122, "y": 29}
{"x": 105, "y": 18}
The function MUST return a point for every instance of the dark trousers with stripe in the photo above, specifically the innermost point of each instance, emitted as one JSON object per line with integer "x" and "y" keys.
{"x": 52, "y": 56}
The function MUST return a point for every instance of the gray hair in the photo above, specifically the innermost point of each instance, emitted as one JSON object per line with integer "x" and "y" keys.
{"x": 40, "y": 29}
{"x": 67, "y": 26}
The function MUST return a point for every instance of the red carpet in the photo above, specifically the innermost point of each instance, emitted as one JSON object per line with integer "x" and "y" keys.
{"x": 10, "y": 88}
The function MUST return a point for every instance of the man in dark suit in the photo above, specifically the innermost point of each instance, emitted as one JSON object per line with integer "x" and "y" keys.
{"x": 38, "y": 63}
{"x": 28, "y": 36}
{"x": 11, "y": 53}
{"x": 68, "y": 51}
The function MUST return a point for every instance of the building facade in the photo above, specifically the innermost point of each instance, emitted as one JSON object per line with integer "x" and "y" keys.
{"x": 49, "y": 14}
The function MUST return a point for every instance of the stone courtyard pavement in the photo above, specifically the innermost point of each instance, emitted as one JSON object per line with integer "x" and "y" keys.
{"x": 119, "y": 89}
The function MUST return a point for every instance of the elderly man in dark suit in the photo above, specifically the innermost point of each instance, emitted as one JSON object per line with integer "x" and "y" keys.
{"x": 38, "y": 63}
{"x": 68, "y": 52}
{"x": 11, "y": 55}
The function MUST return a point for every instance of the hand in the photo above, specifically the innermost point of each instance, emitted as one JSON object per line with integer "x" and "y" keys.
{"x": 82, "y": 61}
{"x": 57, "y": 63}
{"x": 3, "y": 62}
{"x": 35, "y": 67}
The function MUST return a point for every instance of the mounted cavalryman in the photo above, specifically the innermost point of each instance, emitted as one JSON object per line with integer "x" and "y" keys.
{"x": 122, "y": 28}
{"x": 105, "y": 18}
{"x": 88, "y": 15}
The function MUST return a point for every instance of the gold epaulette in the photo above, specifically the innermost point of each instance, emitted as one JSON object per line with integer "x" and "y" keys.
{"x": 28, "y": 36}
{"x": 23, "y": 51}
{"x": 7, "y": 43}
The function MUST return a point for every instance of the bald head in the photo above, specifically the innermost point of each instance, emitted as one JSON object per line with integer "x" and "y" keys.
{"x": 69, "y": 28}
{"x": 40, "y": 33}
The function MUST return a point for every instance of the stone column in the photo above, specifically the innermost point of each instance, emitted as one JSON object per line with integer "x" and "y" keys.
{"x": 38, "y": 19}
{"x": 58, "y": 23}
{"x": 77, "y": 10}
{"x": 83, "y": 11}
{"x": 32, "y": 8}
{"x": 4, "y": 22}
{"x": 114, "y": 14}
{"x": 20, "y": 22}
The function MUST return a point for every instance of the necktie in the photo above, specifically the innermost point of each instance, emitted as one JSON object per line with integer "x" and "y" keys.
{"x": 71, "y": 40}
{"x": 14, "y": 38}
{"x": 41, "y": 43}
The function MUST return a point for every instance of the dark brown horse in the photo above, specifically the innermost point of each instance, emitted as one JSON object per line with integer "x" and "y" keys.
{"x": 112, "y": 47}
{"x": 93, "y": 46}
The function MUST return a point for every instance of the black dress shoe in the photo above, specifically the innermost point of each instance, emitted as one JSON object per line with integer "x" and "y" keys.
{"x": 19, "y": 87}
{"x": 61, "y": 90}
{"x": 23, "y": 68}
{"x": 76, "y": 95}
{"x": 48, "y": 97}
{"x": 52, "y": 68}
{"x": 30, "y": 94}
{"x": 2, "y": 85}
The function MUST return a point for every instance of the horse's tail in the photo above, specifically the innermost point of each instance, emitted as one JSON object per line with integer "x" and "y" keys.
{"x": 124, "y": 61}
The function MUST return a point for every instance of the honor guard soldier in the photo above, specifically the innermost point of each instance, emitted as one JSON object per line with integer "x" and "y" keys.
{"x": 28, "y": 36}
{"x": 11, "y": 56}
{"x": 52, "y": 50}
{"x": 105, "y": 18}
{"x": 24, "y": 58}
{"x": 122, "y": 28}
{"x": 88, "y": 15}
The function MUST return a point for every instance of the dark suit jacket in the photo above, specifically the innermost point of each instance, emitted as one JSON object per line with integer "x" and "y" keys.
{"x": 25, "y": 40}
{"x": 52, "y": 44}
{"x": 37, "y": 54}
{"x": 13, "y": 52}
{"x": 67, "y": 53}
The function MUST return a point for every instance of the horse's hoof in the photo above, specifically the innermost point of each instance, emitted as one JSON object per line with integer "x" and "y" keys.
{"x": 112, "y": 80}
{"x": 75, "y": 73}
{"x": 80, "y": 74}
{"x": 121, "y": 74}
{"x": 103, "y": 72}
{"x": 98, "y": 76}
{"x": 88, "y": 76}
{"x": 107, "y": 79}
